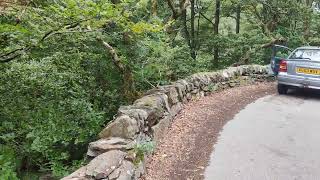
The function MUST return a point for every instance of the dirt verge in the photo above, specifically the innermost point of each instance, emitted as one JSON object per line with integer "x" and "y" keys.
{"x": 185, "y": 149}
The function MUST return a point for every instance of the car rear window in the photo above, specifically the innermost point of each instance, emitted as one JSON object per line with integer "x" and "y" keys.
{"x": 312, "y": 54}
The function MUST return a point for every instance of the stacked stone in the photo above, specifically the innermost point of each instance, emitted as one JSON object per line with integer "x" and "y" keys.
{"x": 148, "y": 118}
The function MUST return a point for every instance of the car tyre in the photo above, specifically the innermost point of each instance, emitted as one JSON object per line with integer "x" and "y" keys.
{"x": 282, "y": 89}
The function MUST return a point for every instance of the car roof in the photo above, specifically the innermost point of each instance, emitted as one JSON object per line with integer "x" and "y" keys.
{"x": 309, "y": 47}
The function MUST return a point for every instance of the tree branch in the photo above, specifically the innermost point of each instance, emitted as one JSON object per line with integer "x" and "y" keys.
{"x": 115, "y": 58}
{"x": 206, "y": 18}
{"x": 7, "y": 57}
{"x": 173, "y": 9}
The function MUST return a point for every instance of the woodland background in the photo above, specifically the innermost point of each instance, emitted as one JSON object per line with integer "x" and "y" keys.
{"x": 67, "y": 65}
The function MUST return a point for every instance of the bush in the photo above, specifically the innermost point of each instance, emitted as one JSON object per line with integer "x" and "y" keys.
{"x": 7, "y": 164}
{"x": 46, "y": 114}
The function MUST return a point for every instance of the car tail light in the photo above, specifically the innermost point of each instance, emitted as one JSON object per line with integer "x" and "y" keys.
{"x": 283, "y": 66}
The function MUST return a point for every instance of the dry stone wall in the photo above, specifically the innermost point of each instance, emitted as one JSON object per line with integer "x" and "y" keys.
{"x": 115, "y": 155}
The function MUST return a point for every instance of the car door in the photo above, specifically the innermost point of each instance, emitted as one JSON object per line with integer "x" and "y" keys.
{"x": 279, "y": 53}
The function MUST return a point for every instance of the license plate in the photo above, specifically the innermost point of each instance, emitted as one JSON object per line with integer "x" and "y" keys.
{"x": 308, "y": 71}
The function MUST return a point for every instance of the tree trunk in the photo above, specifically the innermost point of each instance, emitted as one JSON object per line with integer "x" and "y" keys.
{"x": 216, "y": 32}
{"x": 128, "y": 87}
{"x": 217, "y": 17}
{"x": 198, "y": 28}
{"x": 193, "y": 39}
{"x": 154, "y": 8}
{"x": 185, "y": 29}
{"x": 238, "y": 19}
{"x": 307, "y": 19}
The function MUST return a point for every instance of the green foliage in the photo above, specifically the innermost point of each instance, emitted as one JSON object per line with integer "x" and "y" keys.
{"x": 62, "y": 85}
{"x": 37, "y": 99}
{"x": 142, "y": 149}
{"x": 7, "y": 164}
{"x": 158, "y": 63}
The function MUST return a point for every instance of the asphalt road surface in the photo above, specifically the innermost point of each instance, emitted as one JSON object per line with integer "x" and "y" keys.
{"x": 275, "y": 138}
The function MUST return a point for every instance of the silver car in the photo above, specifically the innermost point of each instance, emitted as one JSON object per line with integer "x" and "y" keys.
{"x": 300, "y": 70}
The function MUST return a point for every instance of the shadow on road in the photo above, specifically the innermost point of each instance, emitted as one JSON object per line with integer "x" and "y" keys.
{"x": 305, "y": 93}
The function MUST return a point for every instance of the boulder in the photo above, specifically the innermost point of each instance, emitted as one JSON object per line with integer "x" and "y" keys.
{"x": 138, "y": 113}
{"x": 156, "y": 101}
{"x": 204, "y": 79}
{"x": 245, "y": 70}
{"x": 79, "y": 174}
{"x": 124, "y": 172}
{"x": 156, "y": 105}
{"x": 140, "y": 170}
{"x": 195, "y": 91}
{"x": 239, "y": 70}
{"x": 188, "y": 96}
{"x": 159, "y": 129}
{"x": 201, "y": 93}
{"x": 171, "y": 92}
{"x": 195, "y": 82}
{"x": 103, "y": 165}
{"x": 104, "y": 145}
{"x": 233, "y": 71}
{"x": 181, "y": 89}
{"x": 175, "y": 109}
{"x": 123, "y": 126}
{"x": 185, "y": 84}
{"x": 226, "y": 75}
{"x": 196, "y": 96}
{"x": 213, "y": 77}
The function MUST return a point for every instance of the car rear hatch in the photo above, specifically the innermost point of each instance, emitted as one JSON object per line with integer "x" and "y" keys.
{"x": 303, "y": 67}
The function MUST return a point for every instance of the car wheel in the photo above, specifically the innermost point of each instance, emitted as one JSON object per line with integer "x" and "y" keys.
{"x": 282, "y": 89}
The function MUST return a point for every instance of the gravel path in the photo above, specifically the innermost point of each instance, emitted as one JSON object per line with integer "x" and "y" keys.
{"x": 186, "y": 147}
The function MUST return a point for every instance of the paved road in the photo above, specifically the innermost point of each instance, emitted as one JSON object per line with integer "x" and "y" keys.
{"x": 274, "y": 138}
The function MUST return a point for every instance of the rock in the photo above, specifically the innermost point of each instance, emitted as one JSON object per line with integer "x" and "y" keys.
{"x": 181, "y": 89}
{"x": 138, "y": 113}
{"x": 232, "y": 84}
{"x": 245, "y": 70}
{"x": 190, "y": 87}
{"x": 232, "y": 71}
{"x": 156, "y": 105}
{"x": 214, "y": 77}
{"x": 124, "y": 172}
{"x": 158, "y": 101}
{"x": 196, "y": 83}
{"x": 79, "y": 174}
{"x": 103, "y": 165}
{"x": 226, "y": 75}
{"x": 140, "y": 170}
{"x": 189, "y": 96}
{"x": 206, "y": 88}
{"x": 123, "y": 126}
{"x": 171, "y": 92}
{"x": 185, "y": 84}
{"x": 204, "y": 79}
{"x": 103, "y": 145}
{"x": 159, "y": 129}
{"x": 175, "y": 109}
{"x": 239, "y": 71}
{"x": 196, "y": 96}
{"x": 195, "y": 91}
